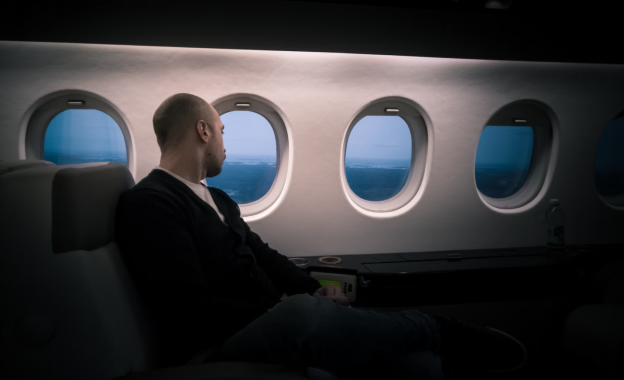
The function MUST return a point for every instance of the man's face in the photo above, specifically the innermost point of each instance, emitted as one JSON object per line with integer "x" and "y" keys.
{"x": 215, "y": 152}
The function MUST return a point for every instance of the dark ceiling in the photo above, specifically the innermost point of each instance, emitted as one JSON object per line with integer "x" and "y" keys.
{"x": 526, "y": 31}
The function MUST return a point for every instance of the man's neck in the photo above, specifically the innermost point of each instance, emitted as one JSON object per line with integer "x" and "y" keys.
{"x": 182, "y": 166}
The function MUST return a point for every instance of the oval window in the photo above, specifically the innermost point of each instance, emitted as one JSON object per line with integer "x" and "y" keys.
{"x": 609, "y": 169}
{"x": 78, "y": 136}
{"x": 378, "y": 157}
{"x": 503, "y": 160}
{"x": 249, "y": 169}
{"x": 513, "y": 154}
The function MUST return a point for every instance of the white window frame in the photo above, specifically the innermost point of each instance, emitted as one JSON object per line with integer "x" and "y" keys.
{"x": 56, "y": 104}
{"x": 410, "y": 113}
{"x": 614, "y": 201}
{"x": 265, "y": 109}
{"x": 542, "y": 126}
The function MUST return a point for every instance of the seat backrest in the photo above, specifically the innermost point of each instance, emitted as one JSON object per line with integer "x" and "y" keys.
{"x": 69, "y": 307}
{"x": 13, "y": 165}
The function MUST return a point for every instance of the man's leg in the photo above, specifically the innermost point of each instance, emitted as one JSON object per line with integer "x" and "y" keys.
{"x": 316, "y": 332}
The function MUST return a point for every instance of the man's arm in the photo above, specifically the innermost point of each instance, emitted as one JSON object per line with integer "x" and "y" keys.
{"x": 284, "y": 274}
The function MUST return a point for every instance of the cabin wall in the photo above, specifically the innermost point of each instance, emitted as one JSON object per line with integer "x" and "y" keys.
{"x": 318, "y": 94}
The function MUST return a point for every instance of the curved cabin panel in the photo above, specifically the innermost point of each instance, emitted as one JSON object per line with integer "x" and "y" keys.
{"x": 318, "y": 96}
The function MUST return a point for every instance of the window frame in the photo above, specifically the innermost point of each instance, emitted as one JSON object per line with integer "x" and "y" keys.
{"x": 542, "y": 127}
{"x": 417, "y": 125}
{"x": 614, "y": 201}
{"x": 56, "y": 104}
{"x": 267, "y": 110}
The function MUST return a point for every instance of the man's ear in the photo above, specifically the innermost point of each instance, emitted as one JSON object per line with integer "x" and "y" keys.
{"x": 203, "y": 130}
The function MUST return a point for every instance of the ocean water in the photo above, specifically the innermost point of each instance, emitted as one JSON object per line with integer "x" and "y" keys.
{"x": 67, "y": 159}
{"x": 245, "y": 180}
{"x": 248, "y": 179}
{"x": 246, "y": 183}
{"x": 378, "y": 179}
{"x": 500, "y": 182}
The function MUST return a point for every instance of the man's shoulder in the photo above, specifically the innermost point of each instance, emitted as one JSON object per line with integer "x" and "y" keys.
{"x": 153, "y": 188}
{"x": 147, "y": 204}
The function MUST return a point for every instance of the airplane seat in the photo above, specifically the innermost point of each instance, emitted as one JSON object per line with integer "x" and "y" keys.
{"x": 594, "y": 334}
{"x": 13, "y": 165}
{"x": 69, "y": 307}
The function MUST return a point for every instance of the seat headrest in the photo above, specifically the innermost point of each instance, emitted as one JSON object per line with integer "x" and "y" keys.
{"x": 13, "y": 165}
{"x": 84, "y": 200}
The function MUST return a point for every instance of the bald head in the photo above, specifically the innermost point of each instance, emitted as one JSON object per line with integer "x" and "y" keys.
{"x": 179, "y": 114}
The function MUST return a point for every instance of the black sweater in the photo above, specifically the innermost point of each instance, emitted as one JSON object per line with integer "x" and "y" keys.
{"x": 201, "y": 280}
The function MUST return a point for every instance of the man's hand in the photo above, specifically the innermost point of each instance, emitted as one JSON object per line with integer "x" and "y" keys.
{"x": 333, "y": 293}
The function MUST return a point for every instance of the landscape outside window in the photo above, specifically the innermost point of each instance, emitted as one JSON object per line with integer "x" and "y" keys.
{"x": 503, "y": 160}
{"x": 609, "y": 170}
{"x": 251, "y": 157}
{"x": 378, "y": 157}
{"x": 82, "y": 136}
{"x": 377, "y": 161}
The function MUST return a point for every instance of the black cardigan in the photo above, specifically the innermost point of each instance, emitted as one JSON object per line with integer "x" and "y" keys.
{"x": 201, "y": 280}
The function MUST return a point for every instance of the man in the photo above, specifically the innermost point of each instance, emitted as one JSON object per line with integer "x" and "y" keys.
{"x": 210, "y": 282}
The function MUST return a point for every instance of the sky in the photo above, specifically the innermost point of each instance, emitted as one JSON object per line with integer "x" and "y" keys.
{"x": 84, "y": 132}
{"x": 380, "y": 138}
{"x": 374, "y": 137}
{"x": 507, "y": 147}
{"x": 248, "y": 134}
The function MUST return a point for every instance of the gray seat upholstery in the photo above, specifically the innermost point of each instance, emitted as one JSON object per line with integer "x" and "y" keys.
{"x": 69, "y": 307}
{"x": 13, "y": 165}
{"x": 594, "y": 333}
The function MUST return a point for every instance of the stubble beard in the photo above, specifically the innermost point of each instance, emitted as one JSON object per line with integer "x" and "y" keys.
{"x": 211, "y": 168}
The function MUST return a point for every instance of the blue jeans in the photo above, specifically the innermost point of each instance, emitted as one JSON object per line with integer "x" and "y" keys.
{"x": 308, "y": 331}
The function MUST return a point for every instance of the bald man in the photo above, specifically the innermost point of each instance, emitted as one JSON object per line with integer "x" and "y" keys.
{"x": 213, "y": 287}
